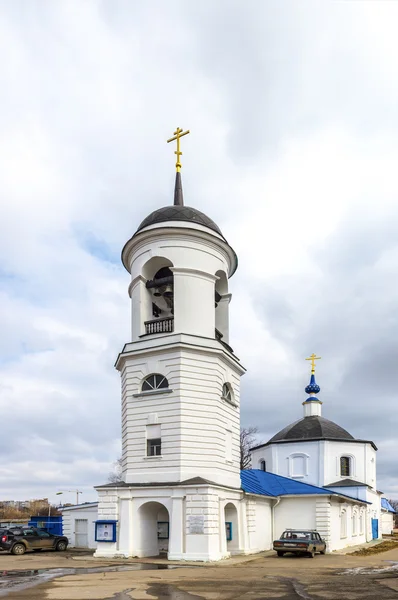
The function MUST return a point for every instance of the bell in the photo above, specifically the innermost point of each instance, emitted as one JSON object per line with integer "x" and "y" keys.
{"x": 159, "y": 291}
{"x": 168, "y": 291}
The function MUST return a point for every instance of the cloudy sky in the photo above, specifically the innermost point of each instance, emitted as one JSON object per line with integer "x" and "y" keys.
{"x": 293, "y": 151}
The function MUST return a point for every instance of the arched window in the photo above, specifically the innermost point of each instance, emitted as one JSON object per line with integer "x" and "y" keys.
{"x": 354, "y": 522}
{"x": 227, "y": 392}
{"x": 263, "y": 465}
{"x": 343, "y": 523}
{"x": 345, "y": 466}
{"x": 154, "y": 382}
{"x": 361, "y": 522}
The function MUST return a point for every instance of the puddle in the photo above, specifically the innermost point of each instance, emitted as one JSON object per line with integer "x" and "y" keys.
{"x": 13, "y": 580}
{"x": 371, "y": 570}
{"x": 161, "y": 591}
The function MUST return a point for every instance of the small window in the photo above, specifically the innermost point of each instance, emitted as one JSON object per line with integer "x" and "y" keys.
{"x": 28, "y": 532}
{"x": 263, "y": 465}
{"x": 154, "y": 447}
{"x": 345, "y": 466}
{"x": 155, "y": 382}
{"x": 43, "y": 534}
{"x": 227, "y": 393}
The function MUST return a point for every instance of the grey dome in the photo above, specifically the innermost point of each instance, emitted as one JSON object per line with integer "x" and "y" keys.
{"x": 179, "y": 213}
{"x": 311, "y": 428}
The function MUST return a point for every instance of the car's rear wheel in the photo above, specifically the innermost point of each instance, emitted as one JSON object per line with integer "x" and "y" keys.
{"x": 322, "y": 551}
{"x": 61, "y": 546}
{"x": 311, "y": 553}
{"x": 280, "y": 553}
{"x": 18, "y": 549}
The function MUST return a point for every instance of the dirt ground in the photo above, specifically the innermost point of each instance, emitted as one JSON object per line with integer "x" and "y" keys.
{"x": 386, "y": 545}
{"x": 330, "y": 577}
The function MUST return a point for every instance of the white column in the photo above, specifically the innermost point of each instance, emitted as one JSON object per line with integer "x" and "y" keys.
{"x": 194, "y": 311}
{"x": 244, "y": 545}
{"x": 125, "y": 527}
{"x": 141, "y": 307}
{"x": 222, "y": 534}
{"x": 176, "y": 539}
{"x": 135, "y": 529}
{"x": 222, "y": 319}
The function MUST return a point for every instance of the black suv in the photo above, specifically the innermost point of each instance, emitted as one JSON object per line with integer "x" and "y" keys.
{"x": 18, "y": 540}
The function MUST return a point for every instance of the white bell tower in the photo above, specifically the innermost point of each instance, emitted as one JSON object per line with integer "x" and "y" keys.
{"x": 180, "y": 377}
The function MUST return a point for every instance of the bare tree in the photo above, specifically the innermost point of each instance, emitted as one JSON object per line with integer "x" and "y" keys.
{"x": 115, "y": 476}
{"x": 247, "y": 440}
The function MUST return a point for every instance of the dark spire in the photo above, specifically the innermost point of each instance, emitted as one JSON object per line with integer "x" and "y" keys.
{"x": 178, "y": 197}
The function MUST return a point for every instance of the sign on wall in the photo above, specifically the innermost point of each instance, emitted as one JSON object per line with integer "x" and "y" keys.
{"x": 196, "y": 523}
{"x": 105, "y": 531}
{"x": 163, "y": 530}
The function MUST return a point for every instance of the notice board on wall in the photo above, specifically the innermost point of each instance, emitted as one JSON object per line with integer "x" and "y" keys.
{"x": 196, "y": 523}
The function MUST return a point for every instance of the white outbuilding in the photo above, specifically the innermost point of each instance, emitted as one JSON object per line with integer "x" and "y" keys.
{"x": 388, "y": 513}
{"x": 78, "y": 524}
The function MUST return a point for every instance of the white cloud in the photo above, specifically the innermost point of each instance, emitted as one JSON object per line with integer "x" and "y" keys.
{"x": 293, "y": 152}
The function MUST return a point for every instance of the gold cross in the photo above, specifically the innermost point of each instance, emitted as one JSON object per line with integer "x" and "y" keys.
{"x": 177, "y": 135}
{"x": 313, "y": 358}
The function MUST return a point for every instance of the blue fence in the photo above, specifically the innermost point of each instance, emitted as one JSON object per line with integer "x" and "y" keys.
{"x": 51, "y": 524}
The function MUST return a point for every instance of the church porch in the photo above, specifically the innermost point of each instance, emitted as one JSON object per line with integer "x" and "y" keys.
{"x": 195, "y": 523}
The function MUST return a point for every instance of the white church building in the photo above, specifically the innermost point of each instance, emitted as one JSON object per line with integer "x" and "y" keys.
{"x": 182, "y": 491}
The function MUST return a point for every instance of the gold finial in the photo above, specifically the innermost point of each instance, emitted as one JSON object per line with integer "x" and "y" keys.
{"x": 313, "y": 358}
{"x": 177, "y": 135}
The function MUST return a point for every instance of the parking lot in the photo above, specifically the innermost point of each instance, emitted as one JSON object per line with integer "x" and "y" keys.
{"x": 77, "y": 576}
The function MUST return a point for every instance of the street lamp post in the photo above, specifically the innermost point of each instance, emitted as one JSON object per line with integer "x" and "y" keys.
{"x": 77, "y": 492}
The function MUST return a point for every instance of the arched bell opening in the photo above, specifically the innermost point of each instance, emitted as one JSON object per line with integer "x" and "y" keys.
{"x": 160, "y": 295}
{"x": 152, "y": 529}
{"x": 221, "y": 300}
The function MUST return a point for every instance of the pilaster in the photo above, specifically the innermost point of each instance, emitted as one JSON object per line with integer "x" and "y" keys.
{"x": 323, "y": 519}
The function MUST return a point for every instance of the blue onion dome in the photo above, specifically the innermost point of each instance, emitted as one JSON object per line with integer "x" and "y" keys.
{"x": 312, "y": 387}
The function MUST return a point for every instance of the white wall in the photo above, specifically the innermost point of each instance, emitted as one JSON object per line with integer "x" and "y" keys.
{"x": 69, "y": 516}
{"x": 322, "y": 460}
{"x": 346, "y": 511}
{"x": 193, "y": 417}
{"x": 387, "y": 523}
{"x": 294, "y": 513}
{"x": 363, "y": 461}
{"x": 359, "y": 492}
{"x": 259, "y": 523}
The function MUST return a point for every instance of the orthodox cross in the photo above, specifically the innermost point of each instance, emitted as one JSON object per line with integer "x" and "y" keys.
{"x": 177, "y": 135}
{"x": 313, "y": 358}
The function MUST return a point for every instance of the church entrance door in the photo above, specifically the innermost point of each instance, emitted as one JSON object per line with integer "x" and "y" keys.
{"x": 153, "y": 529}
{"x": 375, "y": 529}
{"x": 231, "y": 528}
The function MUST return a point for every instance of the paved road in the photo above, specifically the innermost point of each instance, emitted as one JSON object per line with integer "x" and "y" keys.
{"x": 328, "y": 577}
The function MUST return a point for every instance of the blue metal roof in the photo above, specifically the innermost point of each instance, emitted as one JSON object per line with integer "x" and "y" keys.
{"x": 255, "y": 481}
{"x": 385, "y": 504}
